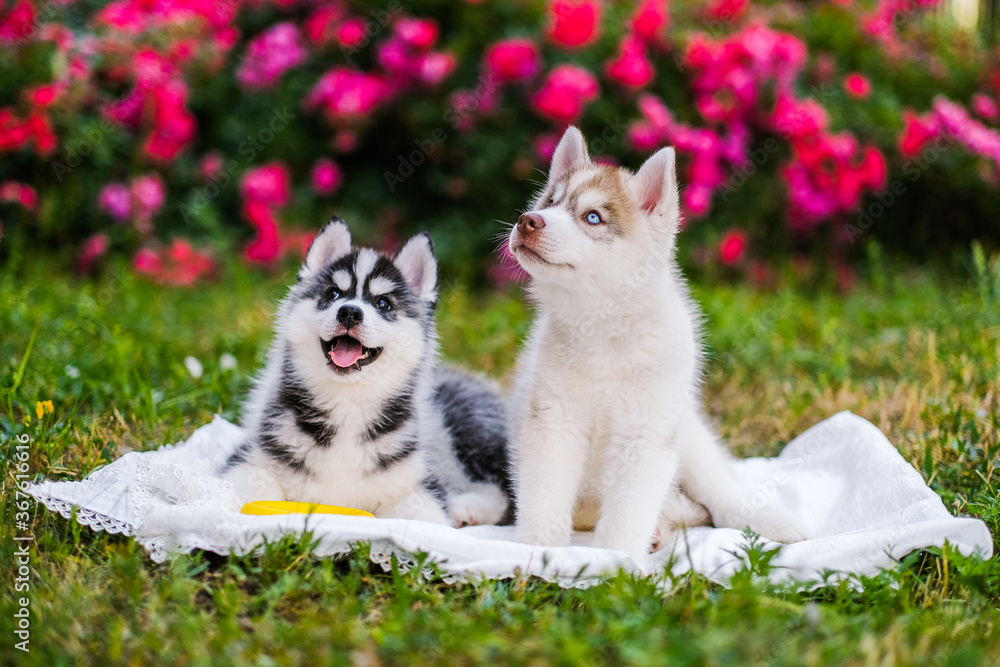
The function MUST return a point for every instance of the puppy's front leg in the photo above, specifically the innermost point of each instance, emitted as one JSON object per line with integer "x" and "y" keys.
{"x": 549, "y": 460}
{"x": 419, "y": 505}
{"x": 638, "y": 470}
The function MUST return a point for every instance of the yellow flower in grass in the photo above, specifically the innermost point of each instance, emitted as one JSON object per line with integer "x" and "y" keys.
{"x": 43, "y": 408}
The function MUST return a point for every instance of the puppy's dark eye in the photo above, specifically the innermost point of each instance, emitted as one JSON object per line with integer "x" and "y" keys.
{"x": 593, "y": 218}
{"x": 383, "y": 304}
{"x": 333, "y": 294}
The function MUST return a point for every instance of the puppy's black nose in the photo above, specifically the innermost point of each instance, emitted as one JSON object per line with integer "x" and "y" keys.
{"x": 350, "y": 316}
{"x": 529, "y": 222}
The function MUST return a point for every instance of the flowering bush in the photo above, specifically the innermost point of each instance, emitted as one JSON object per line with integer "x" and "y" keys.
{"x": 180, "y": 130}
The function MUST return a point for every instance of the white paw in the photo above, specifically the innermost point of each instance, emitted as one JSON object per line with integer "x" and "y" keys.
{"x": 477, "y": 508}
{"x": 778, "y": 524}
{"x": 679, "y": 511}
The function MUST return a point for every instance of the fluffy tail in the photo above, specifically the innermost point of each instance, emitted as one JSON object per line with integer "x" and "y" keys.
{"x": 708, "y": 477}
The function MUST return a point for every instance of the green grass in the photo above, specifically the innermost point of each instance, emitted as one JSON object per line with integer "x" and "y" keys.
{"x": 915, "y": 352}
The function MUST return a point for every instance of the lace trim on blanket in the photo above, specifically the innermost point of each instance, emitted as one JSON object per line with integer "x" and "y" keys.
{"x": 84, "y": 516}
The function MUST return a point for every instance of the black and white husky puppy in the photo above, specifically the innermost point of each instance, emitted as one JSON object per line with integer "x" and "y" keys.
{"x": 353, "y": 407}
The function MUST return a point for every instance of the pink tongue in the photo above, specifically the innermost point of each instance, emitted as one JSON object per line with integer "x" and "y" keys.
{"x": 345, "y": 352}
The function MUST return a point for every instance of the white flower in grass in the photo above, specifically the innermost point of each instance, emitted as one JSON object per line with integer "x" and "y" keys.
{"x": 227, "y": 362}
{"x": 194, "y": 367}
{"x": 72, "y": 371}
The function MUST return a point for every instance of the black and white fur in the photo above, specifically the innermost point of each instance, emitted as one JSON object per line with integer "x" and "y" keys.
{"x": 353, "y": 407}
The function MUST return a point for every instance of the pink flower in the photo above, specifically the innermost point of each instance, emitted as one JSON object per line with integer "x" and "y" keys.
{"x": 116, "y": 200}
{"x": 297, "y": 242}
{"x": 147, "y": 196}
{"x": 955, "y": 119}
{"x": 657, "y": 114}
{"x": 513, "y": 60}
{"x": 881, "y": 24}
{"x": 19, "y": 193}
{"x": 544, "y": 147}
{"x": 13, "y": 131}
{"x": 565, "y": 92}
{"x": 727, "y": 11}
{"x": 91, "y": 251}
{"x": 325, "y": 177}
{"x": 697, "y": 199}
{"x": 916, "y": 132}
{"x": 268, "y": 184}
{"x": 650, "y": 20}
{"x": 146, "y": 261}
{"x": 631, "y": 68}
{"x": 173, "y": 124}
{"x": 643, "y": 137}
{"x": 873, "y": 170}
{"x": 793, "y": 117}
{"x": 59, "y": 35}
{"x": 985, "y": 106}
{"x": 150, "y": 69}
{"x": 319, "y": 27}
{"x": 266, "y": 247}
{"x": 178, "y": 264}
{"x": 347, "y": 94}
{"x": 124, "y": 15}
{"x": 858, "y": 86}
{"x": 417, "y": 33}
{"x": 270, "y": 55}
{"x": 18, "y": 23}
{"x": 44, "y": 134}
{"x": 574, "y": 23}
{"x": 395, "y": 56}
{"x": 707, "y": 150}
{"x": 351, "y": 33}
{"x": 729, "y": 72}
{"x": 210, "y": 166}
{"x": 435, "y": 67}
{"x": 45, "y": 95}
{"x": 225, "y": 39}
{"x": 827, "y": 176}
{"x": 733, "y": 247}
{"x": 264, "y": 189}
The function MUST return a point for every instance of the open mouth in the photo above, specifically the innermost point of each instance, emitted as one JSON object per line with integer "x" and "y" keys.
{"x": 346, "y": 354}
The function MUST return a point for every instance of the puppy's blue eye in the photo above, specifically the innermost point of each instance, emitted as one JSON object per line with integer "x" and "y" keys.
{"x": 594, "y": 218}
{"x": 383, "y": 305}
{"x": 333, "y": 294}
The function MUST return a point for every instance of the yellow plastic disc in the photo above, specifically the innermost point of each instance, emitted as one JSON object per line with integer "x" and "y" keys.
{"x": 265, "y": 507}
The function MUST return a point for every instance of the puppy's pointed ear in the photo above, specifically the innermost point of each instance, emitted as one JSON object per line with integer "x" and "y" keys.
{"x": 571, "y": 153}
{"x": 418, "y": 264}
{"x": 655, "y": 187}
{"x": 332, "y": 242}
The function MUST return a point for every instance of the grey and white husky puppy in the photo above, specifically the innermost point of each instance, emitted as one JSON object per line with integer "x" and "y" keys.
{"x": 353, "y": 407}
{"x": 608, "y": 429}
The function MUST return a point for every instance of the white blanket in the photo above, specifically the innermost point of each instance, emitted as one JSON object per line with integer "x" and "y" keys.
{"x": 863, "y": 506}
